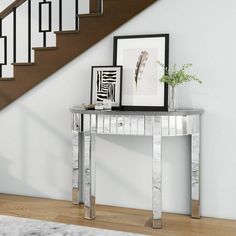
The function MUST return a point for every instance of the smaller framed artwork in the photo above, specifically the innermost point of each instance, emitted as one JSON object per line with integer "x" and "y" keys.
{"x": 106, "y": 85}
{"x": 141, "y": 87}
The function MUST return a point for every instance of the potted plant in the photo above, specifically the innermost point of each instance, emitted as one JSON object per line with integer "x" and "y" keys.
{"x": 174, "y": 77}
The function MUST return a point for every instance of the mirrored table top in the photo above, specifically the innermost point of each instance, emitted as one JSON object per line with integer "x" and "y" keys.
{"x": 181, "y": 112}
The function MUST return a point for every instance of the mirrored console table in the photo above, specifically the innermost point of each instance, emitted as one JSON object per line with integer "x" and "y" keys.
{"x": 86, "y": 124}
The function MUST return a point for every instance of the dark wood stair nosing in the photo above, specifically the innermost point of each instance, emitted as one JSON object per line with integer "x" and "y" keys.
{"x": 23, "y": 64}
{"x": 6, "y": 79}
{"x": 44, "y": 48}
{"x": 67, "y": 32}
{"x": 90, "y": 15}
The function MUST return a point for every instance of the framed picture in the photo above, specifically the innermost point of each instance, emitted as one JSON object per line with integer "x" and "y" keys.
{"x": 106, "y": 85}
{"x": 141, "y": 86}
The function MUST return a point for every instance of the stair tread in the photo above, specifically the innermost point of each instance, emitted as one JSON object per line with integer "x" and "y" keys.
{"x": 6, "y": 78}
{"x": 90, "y": 15}
{"x": 23, "y": 64}
{"x": 44, "y": 48}
{"x": 67, "y": 32}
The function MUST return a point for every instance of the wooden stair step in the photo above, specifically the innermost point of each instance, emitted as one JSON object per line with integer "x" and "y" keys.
{"x": 67, "y": 32}
{"x": 23, "y": 64}
{"x": 90, "y": 15}
{"x": 6, "y": 79}
{"x": 44, "y": 48}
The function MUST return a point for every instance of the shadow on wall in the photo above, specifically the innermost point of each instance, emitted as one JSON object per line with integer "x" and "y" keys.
{"x": 39, "y": 146}
{"x": 54, "y": 159}
{"x": 7, "y": 178}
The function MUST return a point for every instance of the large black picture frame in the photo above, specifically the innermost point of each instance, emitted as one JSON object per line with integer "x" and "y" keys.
{"x": 145, "y": 44}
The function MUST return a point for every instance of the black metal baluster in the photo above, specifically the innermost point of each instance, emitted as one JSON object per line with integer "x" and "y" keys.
{"x": 44, "y": 33}
{"x": 5, "y": 48}
{"x": 49, "y": 29}
{"x": 40, "y": 19}
{"x": 60, "y": 15}
{"x": 76, "y": 14}
{"x": 0, "y": 37}
{"x": 14, "y": 35}
{"x": 29, "y": 30}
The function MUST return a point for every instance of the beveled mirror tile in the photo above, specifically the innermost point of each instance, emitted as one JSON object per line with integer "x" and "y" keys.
{"x": 113, "y": 124}
{"x": 75, "y": 163}
{"x": 195, "y": 124}
{"x": 100, "y": 124}
{"x": 75, "y": 152}
{"x": 165, "y": 125}
{"x": 106, "y": 124}
{"x": 127, "y": 125}
{"x": 75, "y": 195}
{"x": 156, "y": 169}
{"x": 87, "y": 147}
{"x": 87, "y": 169}
{"x": 157, "y": 126}
{"x": 141, "y": 125}
{"x": 172, "y": 125}
{"x": 148, "y": 125}
{"x": 179, "y": 125}
{"x": 87, "y": 125}
{"x": 87, "y": 192}
{"x": 189, "y": 124}
{"x": 93, "y": 123}
{"x": 195, "y": 143}
{"x": 73, "y": 123}
{"x": 93, "y": 161}
{"x": 75, "y": 138}
{"x": 134, "y": 125}
{"x": 185, "y": 125}
{"x": 195, "y": 184}
{"x": 76, "y": 119}
{"x": 75, "y": 178}
{"x": 120, "y": 124}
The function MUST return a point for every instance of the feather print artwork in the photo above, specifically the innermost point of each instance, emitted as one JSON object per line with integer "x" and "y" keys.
{"x": 140, "y": 66}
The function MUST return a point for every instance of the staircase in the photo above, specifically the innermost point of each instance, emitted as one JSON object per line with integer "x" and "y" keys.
{"x": 104, "y": 17}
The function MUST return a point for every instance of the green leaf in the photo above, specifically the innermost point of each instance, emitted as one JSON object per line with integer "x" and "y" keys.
{"x": 175, "y": 77}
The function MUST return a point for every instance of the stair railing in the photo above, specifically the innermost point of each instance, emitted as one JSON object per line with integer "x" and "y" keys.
{"x": 44, "y": 24}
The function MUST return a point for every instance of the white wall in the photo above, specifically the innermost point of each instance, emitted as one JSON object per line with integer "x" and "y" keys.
{"x": 5, "y": 3}
{"x": 35, "y": 139}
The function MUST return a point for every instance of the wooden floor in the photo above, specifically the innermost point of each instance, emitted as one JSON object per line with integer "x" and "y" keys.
{"x": 114, "y": 218}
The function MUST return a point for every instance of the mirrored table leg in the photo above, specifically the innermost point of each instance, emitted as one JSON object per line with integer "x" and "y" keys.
{"x": 156, "y": 174}
{"x": 89, "y": 172}
{"x": 195, "y": 173}
{"x": 76, "y": 163}
{"x": 75, "y": 171}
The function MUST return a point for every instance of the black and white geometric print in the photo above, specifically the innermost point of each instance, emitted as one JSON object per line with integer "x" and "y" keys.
{"x": 106, "y": 85}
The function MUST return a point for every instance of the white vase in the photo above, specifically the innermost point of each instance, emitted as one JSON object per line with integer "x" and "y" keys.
{"x": 172, "y": 98}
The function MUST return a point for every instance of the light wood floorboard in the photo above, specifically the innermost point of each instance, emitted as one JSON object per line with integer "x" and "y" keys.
{"x": 115, "y": 218}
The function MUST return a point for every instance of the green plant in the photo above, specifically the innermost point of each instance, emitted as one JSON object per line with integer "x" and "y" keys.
{"x": 175, "y": 77}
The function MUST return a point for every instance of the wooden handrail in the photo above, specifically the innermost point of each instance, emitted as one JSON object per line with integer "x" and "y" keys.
{"x": 8, "y": 10}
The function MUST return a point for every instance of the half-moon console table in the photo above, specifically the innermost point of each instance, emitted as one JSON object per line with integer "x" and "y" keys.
{"x": 86, "y": 124}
